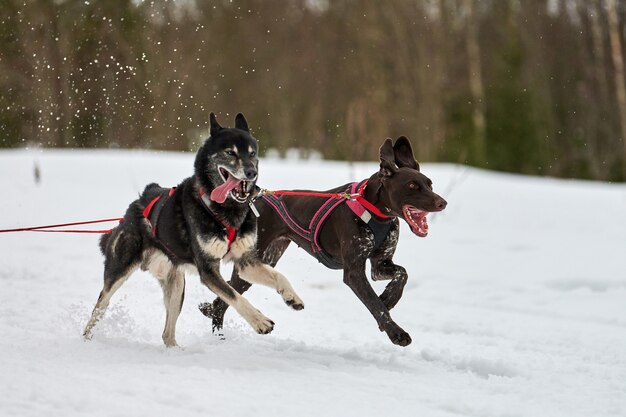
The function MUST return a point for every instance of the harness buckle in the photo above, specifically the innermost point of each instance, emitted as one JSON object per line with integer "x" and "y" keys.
{"x": 347, "y": 196}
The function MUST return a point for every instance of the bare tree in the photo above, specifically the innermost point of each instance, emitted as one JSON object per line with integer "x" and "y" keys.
{"x": 618, "y": 67}
{"x": 475, "y": 79}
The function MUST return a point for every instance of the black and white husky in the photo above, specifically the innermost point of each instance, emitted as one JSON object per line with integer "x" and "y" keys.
{"x": 192, "y": 227}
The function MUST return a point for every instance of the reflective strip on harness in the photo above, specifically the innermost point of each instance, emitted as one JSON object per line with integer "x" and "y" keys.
{"x": 357, "y": 207}
{"x": 369, "y": 206}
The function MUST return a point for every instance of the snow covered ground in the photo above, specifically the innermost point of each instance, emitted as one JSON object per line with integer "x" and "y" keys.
{"x": 516, "y": 304}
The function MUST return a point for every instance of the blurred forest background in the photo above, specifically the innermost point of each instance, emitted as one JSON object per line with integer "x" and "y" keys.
{"x": 530, "y": 86}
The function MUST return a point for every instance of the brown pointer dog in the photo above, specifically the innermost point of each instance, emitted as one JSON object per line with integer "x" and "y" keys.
{"x": 346, "y": 241}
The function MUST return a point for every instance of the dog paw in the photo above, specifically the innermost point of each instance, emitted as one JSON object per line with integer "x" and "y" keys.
{"x": 295, "y": 304}
{"x": 399, "y": 337}
{"x": 170, "y": 343}
{"x": 206, "y": 309}
{"x": 262, "y": 325}
{"x": 216, "y": 316}
{"x": 292, "y": 300}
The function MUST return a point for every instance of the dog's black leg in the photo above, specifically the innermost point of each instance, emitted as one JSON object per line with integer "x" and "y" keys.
{"x": 210, "y": 276}
{"x": 216, "y": 310}
{"x": 399, "y": 277}
{"x": 354, "y": 276}
{"x": 383, "y": 269}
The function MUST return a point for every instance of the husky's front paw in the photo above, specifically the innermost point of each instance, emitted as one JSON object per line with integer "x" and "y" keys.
{"x": 292, "y": 300}
{"x": 261, "y": 324}
{"x": 169, "y": 342}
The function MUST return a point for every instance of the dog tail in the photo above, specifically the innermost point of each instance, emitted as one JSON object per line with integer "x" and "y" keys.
{"x": 151, "y": 191}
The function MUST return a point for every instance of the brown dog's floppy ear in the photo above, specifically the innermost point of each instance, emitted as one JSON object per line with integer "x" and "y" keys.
{"x": 240, "y": 122}
{"x": 215, "y": 127}
{"x": 403, "y": 154}
{"x": 387, "y": 160}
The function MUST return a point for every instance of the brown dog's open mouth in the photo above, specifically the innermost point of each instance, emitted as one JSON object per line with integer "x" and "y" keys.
{"x": 416, "y": 219}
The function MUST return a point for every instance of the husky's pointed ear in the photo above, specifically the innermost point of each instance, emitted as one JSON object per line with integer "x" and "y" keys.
{"x": 403, "y": 154}
{"x": 387, "y": 160}
{"x": 240, "y": 122}
{"x": 215, "y": 127}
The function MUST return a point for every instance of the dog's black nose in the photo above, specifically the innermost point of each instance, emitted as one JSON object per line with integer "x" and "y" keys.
{"x": 250, "y": 173}
{"x": 440, "y": 203}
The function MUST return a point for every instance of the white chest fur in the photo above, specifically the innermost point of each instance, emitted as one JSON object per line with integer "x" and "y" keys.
{"x": 215, "y": 248}
{"x": 218, "y": 248}
{"x": 242, "y": 245}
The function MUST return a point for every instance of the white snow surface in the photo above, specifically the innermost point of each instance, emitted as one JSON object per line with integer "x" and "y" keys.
{"x": 516, "y": 303}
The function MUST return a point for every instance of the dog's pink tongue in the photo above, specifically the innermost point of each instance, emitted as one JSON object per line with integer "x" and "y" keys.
{"x": 220, "y": 193}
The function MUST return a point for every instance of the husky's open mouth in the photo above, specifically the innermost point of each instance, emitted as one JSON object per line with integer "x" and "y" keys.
{"x": 416, "y": 219}
{"x": 237, "y": 188}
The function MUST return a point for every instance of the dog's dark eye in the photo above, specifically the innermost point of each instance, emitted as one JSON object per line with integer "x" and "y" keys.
{"x": 252, "y": 154}
{"x": 230, "y": 152}
{"x": 413, "y": 186}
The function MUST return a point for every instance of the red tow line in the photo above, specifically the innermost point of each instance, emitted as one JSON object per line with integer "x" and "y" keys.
{"x": 46, "y": 229}
{"x": 358, "y": 197}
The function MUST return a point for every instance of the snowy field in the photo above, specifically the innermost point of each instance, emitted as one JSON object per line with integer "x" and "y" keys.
{"x": 516, "y": 304}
